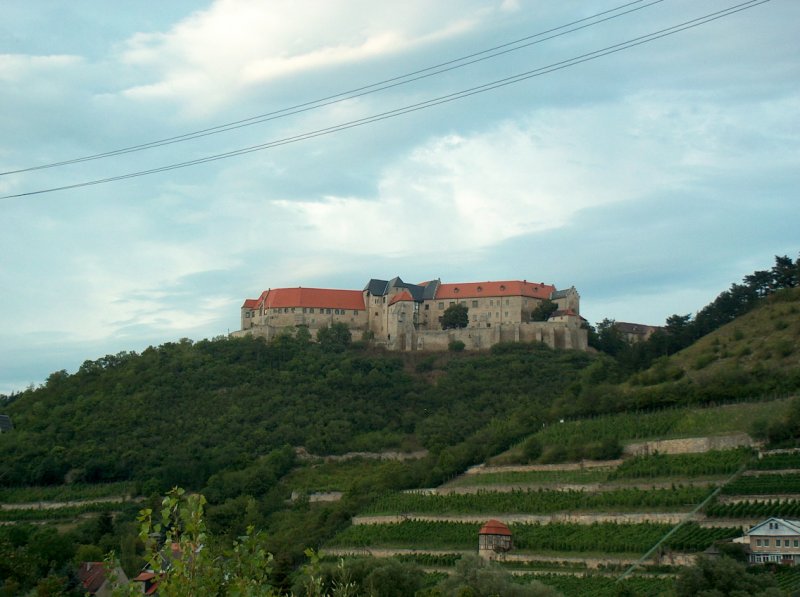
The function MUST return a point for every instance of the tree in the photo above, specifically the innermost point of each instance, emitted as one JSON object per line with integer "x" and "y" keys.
{"x": 722, "y": 576}
{"x": 543, "y": 310}
{"x": 335, "y": 338}
{"x": 455, "y": 316}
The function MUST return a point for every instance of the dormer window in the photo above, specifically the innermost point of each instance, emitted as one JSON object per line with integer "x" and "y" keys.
{"x": 456, "y": 290}
{"x": 502, "y": 287}
{"x": 480, "y": 288}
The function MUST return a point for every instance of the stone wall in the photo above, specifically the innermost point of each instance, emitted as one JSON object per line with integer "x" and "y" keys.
{"x": 689, "y": 445}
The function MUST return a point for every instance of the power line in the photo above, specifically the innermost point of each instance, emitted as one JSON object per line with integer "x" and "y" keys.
{"x": 557, "y": 66}
{"x": 360, "y": 91}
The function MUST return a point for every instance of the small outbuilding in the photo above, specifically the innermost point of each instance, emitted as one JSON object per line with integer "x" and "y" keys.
{"x": 494, "y": 539}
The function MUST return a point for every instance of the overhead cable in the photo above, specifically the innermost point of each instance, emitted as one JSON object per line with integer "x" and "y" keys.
{"x": 556, "y": 66}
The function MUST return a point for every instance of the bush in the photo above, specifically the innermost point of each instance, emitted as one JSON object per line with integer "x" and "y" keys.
{"x": 456, "y": 346}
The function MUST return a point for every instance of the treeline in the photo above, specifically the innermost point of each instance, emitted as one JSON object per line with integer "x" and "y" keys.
{"x": 680, "y": 331}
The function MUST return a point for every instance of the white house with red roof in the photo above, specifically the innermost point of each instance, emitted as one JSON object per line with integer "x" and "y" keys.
{"x": 404, "y": 316}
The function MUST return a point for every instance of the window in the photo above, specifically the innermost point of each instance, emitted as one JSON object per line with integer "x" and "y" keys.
{"x": 506, "y": 313}
{"x": 441, "y": 306}
{"x": 427, "y": 307}
{"x": 474, "y": 304}
{"x": 355, "y": 312}
{"x": 491, "y": 302}
{"x": 463, "y": 303}
{"x": 506, "y": 302}
{"x": 452, "y": 303}
{"x": 327, "y": 311}
{"x": 456, "y": 290}
{"x": 786, "y": 543}
{"x": 758, "y": 542}
{"x": 797, "y": 542}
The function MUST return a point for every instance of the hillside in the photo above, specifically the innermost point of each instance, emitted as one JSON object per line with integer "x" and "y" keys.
{"x": 255, "y": 426}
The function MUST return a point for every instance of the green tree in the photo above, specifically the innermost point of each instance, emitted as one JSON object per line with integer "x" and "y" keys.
{"x": 455, "y": 316}
{"x": 544, "y": 310}
{"x": 334, "y": 338}
{"x": 713, "y": 577}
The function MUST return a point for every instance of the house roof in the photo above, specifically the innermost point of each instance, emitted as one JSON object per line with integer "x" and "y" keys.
{"x": 403, "y": 296}
{"x": 494, "y": 527}
{"x": 783, "y": 527}
{"x": 377, "y": 287}
{"x": 145, "y": 576}
{"x": 537, "y": 290}
{"x": 563, "y": 313}
{"x": 312, "y": 297}
{"x": 250, "y": 304}
{"x": 92, "y": 575}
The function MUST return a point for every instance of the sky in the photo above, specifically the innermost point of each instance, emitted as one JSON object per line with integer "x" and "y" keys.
{"x": 650, "y": 178}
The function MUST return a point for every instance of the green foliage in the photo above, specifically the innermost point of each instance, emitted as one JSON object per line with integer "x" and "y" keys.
{"x": 543, "y": 310}
{"x": 476, "y": 577}
{"x": 456, "y": 346}
{"x": 721, "y": 576}
{"x": 334, "y": 338}
{"x": 185, "y": 560}
{"x": 455, "y": 316}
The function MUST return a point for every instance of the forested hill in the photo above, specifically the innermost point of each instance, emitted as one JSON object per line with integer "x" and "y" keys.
{"x": 181, "y": 412}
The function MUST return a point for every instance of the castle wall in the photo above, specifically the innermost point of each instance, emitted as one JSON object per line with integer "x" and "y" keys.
{"x": 484, "y": 311}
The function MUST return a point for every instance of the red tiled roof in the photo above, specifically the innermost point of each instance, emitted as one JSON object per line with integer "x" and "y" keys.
{"x": 92, "y": 575}
{"x": 403, "y": 296}
{"x": 494, "y": 527}
{"x": 250, "y": 304}
{"x": 507, "y": 288}
{"x": 563, "y": 312}
{"x": 312, "y": 297}
{"x": 144, "y": 576}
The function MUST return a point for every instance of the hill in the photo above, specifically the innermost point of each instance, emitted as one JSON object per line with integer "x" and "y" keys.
{"x": 254, "y": 426}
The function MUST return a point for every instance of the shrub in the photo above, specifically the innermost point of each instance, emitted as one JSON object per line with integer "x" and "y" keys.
{"x": 456, "y": 346}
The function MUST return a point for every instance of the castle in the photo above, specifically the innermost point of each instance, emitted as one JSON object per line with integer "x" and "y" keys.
{"x": 403, "y": 316}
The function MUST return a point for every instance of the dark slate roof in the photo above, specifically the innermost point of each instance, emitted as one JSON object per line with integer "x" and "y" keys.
{"x": 381, "y": 287}
{"x": 5, "y": 423}
{"x": 430, "y": 288}
{"x": 377, "y": 287}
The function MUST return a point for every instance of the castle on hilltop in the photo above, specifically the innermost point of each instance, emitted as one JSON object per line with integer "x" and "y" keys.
{"x": 403, "y": 316}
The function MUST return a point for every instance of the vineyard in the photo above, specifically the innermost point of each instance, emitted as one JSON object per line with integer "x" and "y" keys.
{"x": 602, "y": 538}
{"x": 586, "y": 475}
{"x": 540, "y": 501}
{"x": 65, "y": 513}
{"x": 750, "y": 509}
{"x": 665, "y": 424}
{"x": 777, "y": 462}
{"x": 76, "y": 491}
{"x": 716, "y": 462}
{"x": 764, "y": 485}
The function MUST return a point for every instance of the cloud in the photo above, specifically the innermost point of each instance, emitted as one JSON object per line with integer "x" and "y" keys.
{"x": 16, "y": 67}
{"x": 209, "y": 58}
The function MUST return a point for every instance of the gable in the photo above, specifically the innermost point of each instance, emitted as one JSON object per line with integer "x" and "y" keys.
{"x": 776, "y": 527}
